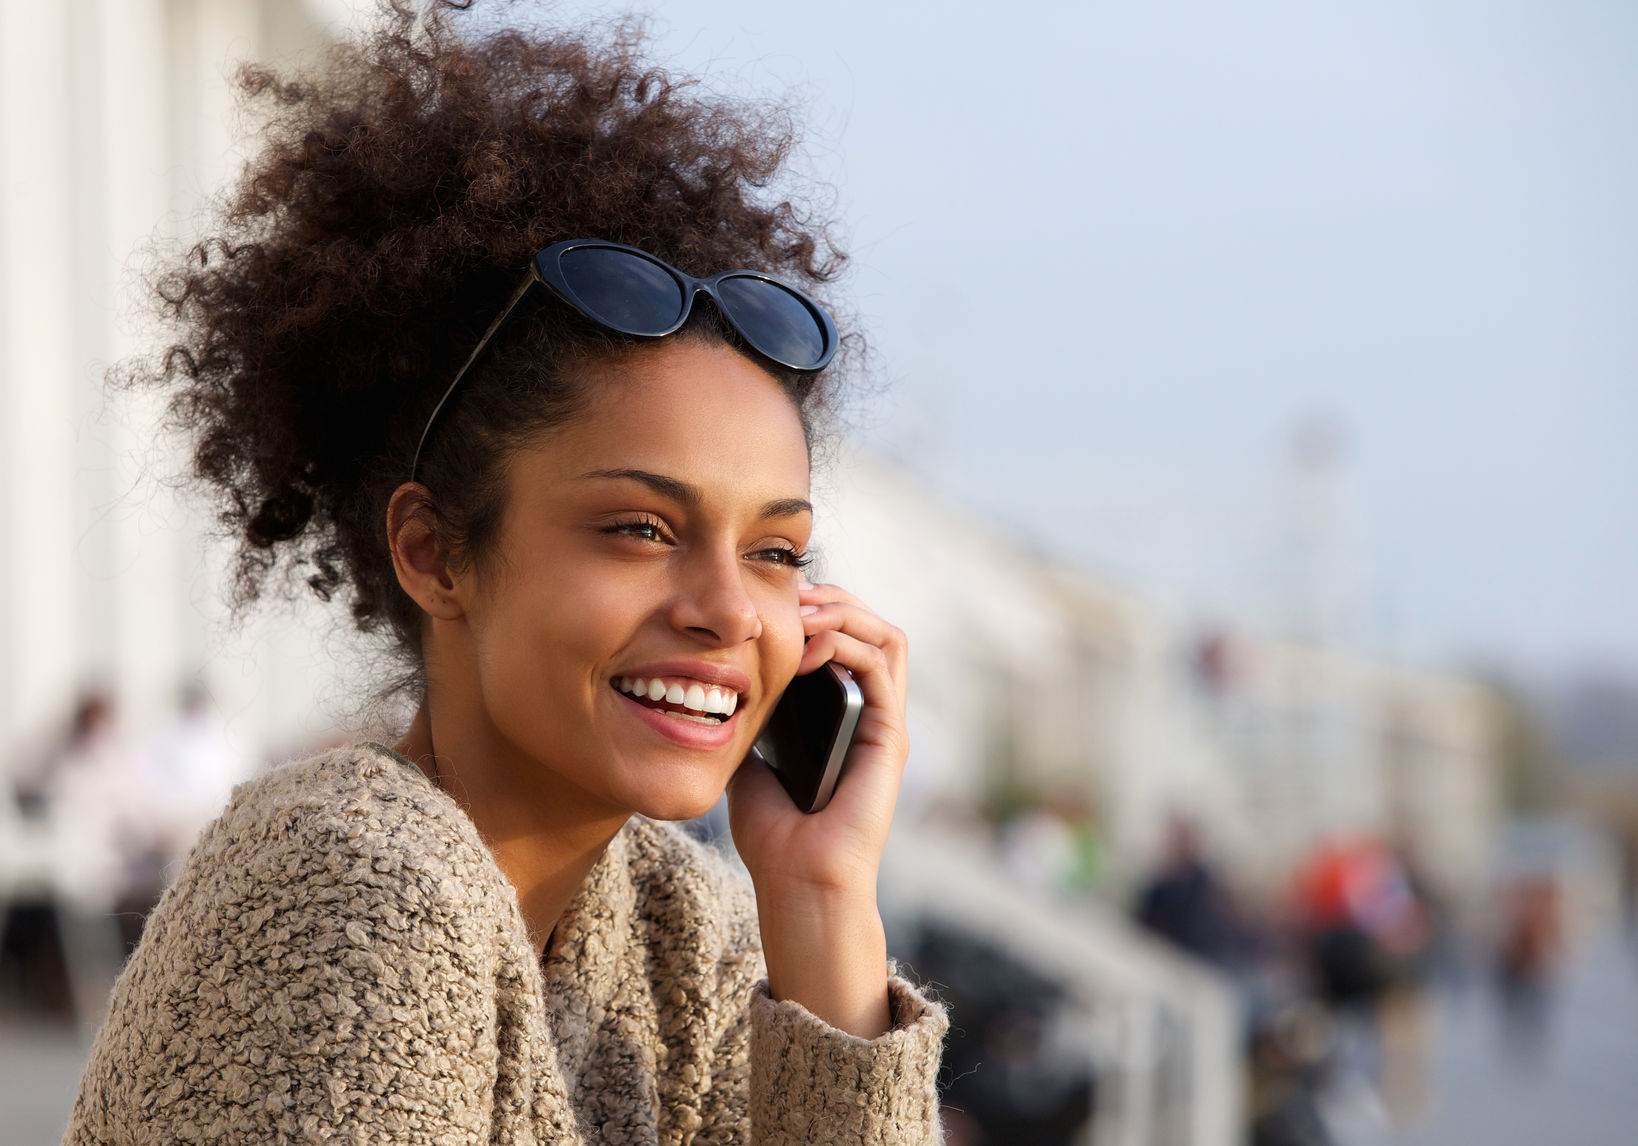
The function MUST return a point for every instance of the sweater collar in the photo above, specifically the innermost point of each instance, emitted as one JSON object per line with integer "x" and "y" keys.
{"x": 581, "y": 972}
{"x": 579, "y": 976}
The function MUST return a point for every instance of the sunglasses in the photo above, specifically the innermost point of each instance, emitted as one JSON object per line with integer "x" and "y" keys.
{"x": 629, "y": 291}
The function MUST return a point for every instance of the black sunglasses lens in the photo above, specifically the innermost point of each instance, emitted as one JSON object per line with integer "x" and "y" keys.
{"x": 773, "y": 320}
{"x": 623, "y": 290}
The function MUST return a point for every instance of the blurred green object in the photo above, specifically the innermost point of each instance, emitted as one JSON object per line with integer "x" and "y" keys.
{"x": 1089, "y": 856}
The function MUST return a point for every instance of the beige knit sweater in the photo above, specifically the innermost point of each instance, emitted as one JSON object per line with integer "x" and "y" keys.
{"x": 340, "y": 959}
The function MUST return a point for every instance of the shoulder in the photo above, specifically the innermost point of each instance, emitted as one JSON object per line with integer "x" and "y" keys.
{"x": 315, "y": 877}
{"x": 356, "y": 781}
{"x": 352, "y": 793}
{"x": 690, "y": 888}
{"x": 333, "y": 922}
{"x": 349, "y": 827}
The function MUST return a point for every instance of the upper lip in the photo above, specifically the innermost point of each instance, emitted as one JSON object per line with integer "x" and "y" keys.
{"x": 698, "y": 670}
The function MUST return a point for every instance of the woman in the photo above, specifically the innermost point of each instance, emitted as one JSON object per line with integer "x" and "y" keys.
{"x": 408, "y": 359}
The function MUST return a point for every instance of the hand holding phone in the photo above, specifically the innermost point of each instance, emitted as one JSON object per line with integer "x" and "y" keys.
{"x": 837, "y": 747}
{"x": 812, "y": 806}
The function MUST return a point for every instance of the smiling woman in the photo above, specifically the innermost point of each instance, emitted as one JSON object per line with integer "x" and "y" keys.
{"x": 573, "y": 494}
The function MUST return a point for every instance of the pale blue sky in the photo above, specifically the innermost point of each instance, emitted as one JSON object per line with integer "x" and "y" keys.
{"x": 1111, "y": 253}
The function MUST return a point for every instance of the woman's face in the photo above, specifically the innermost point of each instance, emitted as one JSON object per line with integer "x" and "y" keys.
{"x": 652, "y": 537}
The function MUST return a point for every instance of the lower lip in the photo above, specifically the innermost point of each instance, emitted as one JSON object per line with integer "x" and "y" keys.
{"x": 688, "y": 733}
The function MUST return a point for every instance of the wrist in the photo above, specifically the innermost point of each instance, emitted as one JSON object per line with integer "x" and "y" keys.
{"x": 829, "y": 953}
{"x": 803, "y": 898}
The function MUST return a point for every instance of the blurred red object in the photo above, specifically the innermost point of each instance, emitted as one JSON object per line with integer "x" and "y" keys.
{"x": 1358, "y": 882}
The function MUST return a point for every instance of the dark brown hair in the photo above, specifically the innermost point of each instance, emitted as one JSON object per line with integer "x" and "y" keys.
{"x": 397, "y": 195}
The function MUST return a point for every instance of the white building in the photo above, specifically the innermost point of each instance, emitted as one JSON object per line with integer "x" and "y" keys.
{"x": 1124, "y": 700}
{"x": 117, "y": 120}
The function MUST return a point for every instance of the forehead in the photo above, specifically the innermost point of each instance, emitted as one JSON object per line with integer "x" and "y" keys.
{"x": 695, "y": 410}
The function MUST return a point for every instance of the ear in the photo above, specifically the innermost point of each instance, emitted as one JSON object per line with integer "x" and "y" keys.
{"x": 419, "y": 556}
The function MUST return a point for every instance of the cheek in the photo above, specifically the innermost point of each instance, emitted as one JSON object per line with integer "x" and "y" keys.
{"x": 562, "y": 630}
{"x": 782, "y": 642}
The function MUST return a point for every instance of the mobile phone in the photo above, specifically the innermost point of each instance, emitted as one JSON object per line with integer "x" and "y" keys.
{"x": 808, "y": 733}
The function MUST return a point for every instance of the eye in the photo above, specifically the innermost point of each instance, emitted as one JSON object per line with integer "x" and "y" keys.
{"x": 788, "y": 557}
{"x": 645, "y": 529}
{"x": 651, "y": 529}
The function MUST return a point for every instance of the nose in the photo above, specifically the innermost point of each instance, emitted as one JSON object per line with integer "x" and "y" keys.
{"x": 712, "y": 603}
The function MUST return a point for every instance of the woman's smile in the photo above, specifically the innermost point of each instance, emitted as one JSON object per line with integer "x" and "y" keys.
{"x": 678, "y": 723}
{"x": 693, "y": 702}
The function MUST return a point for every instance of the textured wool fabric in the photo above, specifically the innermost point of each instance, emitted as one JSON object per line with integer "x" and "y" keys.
{"x": 341, "y": 960}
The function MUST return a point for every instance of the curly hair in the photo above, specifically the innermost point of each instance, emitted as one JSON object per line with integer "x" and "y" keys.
{"x": 398, "y": 192}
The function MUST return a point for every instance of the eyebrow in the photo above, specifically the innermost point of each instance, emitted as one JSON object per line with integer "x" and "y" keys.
{"x": 689, "y": 496}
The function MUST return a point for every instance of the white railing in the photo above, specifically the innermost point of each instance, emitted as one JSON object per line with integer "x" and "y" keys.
{"x": 1162, "y": 1031}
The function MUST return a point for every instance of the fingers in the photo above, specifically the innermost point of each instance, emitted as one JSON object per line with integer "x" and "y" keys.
{"x": 837, "y": 610}
{"x": 863, "y": 626}
{"x": 875, "y": 652}
{"x": 825, "y": 591}
{"x": 867, "y": 662}
{"x": 843, "y": 629}
{"x": 856, "y": 655}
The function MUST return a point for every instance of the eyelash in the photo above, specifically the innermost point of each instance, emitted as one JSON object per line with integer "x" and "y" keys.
{"x": 792, "y": 558}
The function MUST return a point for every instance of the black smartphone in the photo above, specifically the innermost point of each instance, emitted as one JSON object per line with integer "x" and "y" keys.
{"x": 809, "y": 731}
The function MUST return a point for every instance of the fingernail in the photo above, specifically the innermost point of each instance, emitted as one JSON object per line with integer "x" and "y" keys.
{"x": 808, "y": 610}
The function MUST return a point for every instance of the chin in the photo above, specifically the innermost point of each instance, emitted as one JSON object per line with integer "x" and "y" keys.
{"x": 689, "y": 797}
{"x": 678, "y": 806}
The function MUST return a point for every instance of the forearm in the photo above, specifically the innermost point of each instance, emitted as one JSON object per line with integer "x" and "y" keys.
{"x": 828, "y": 952}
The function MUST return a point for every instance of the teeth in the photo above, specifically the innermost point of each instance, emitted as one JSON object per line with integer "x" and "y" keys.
{"x": 689, "y": 693}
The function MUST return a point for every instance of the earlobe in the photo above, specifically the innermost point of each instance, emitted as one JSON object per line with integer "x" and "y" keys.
{"x": 444, "y": 606}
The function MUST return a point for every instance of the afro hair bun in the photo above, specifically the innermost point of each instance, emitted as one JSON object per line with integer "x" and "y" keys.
{"x": 397, "y": 191}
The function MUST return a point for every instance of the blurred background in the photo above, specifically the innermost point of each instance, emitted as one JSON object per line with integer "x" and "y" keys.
{"x": 1252, "y": 469}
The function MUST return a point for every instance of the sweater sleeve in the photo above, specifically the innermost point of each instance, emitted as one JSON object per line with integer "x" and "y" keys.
{"x": 280, "y": 993}
{"x": 782, "y": 1075}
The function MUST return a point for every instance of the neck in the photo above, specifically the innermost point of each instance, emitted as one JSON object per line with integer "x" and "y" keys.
{"x": 543, "y": 834}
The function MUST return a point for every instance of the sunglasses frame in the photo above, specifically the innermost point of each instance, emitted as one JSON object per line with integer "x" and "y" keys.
{"x": 546, "y": 269}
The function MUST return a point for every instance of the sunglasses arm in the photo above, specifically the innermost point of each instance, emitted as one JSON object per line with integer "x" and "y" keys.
{"x": 511, "y": 305}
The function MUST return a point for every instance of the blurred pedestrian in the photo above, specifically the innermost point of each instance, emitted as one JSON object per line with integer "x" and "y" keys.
{"x": 1419, "y": 951}
{"x": 75, "y": 837}
{"x": 91, "y": 792}
{"x": 1362, "y": 925}
{"x": 1187, "y": 904}
{"x": 1527, "y": 956}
